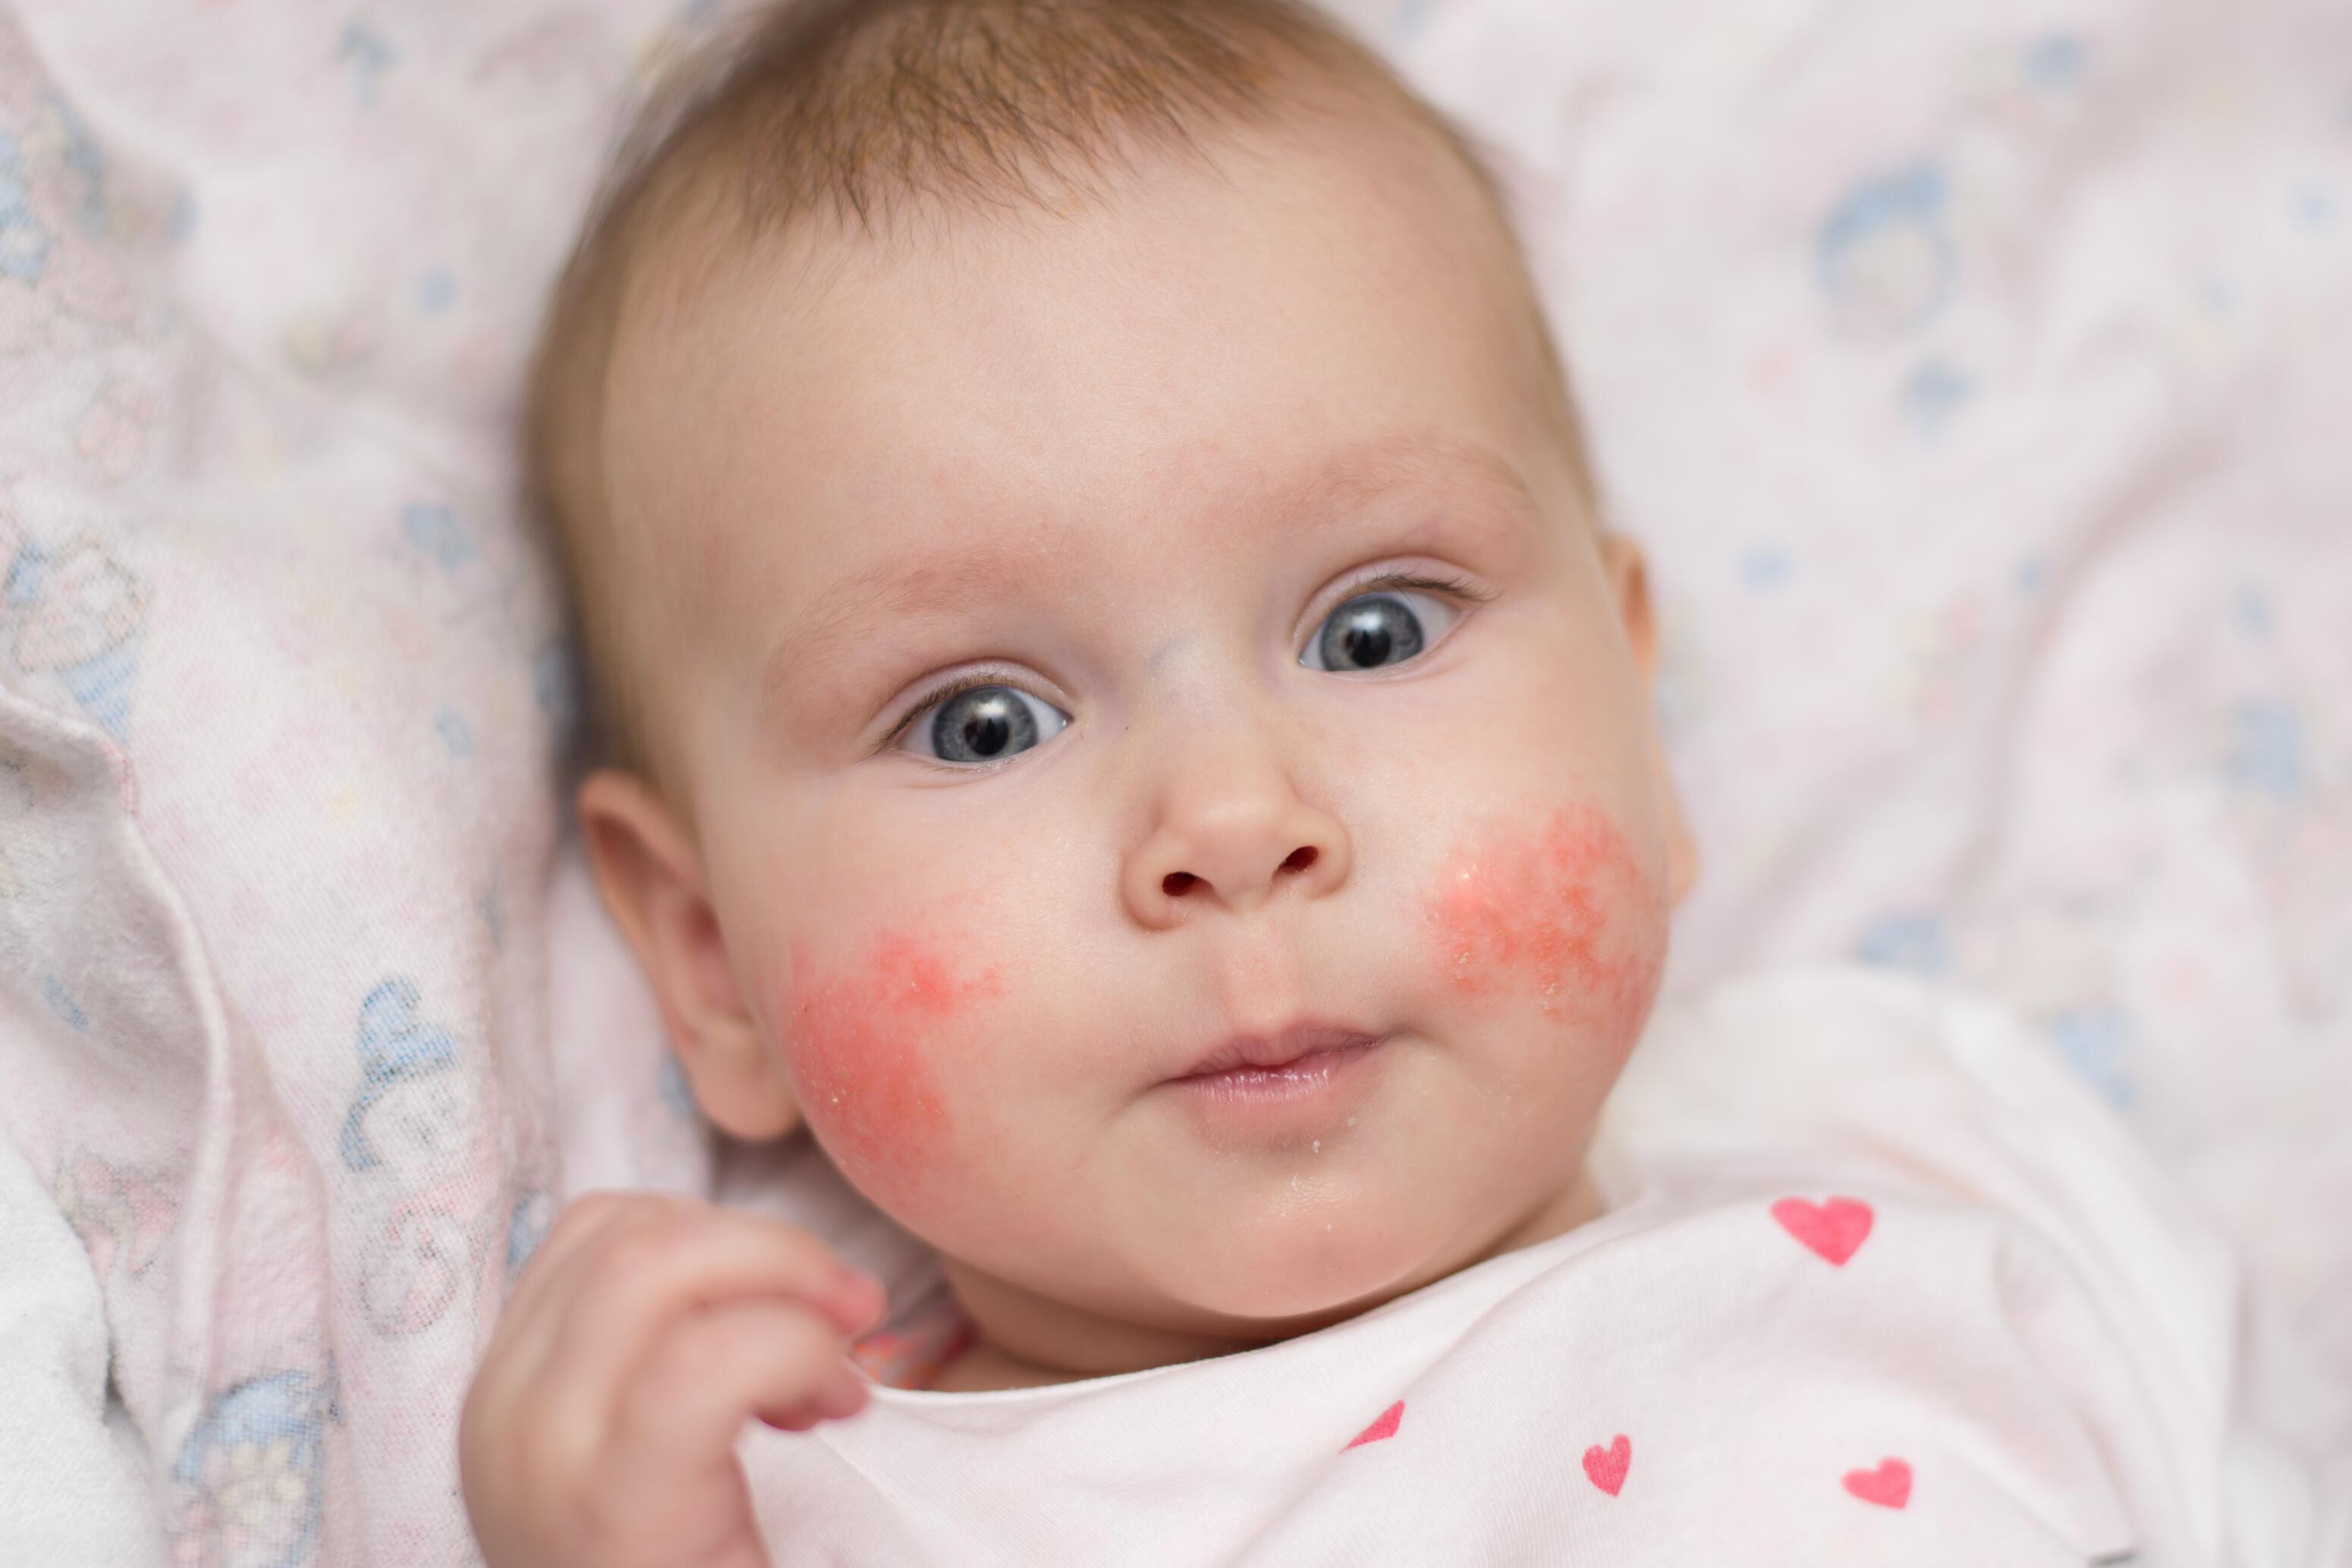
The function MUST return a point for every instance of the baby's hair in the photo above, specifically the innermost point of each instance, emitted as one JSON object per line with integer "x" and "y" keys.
{"x": 865, "y": 113}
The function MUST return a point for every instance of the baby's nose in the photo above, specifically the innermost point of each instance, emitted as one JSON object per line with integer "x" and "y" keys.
{"x": 1233, "y": 835}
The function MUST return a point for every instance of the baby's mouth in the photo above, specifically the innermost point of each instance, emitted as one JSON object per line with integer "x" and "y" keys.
{"x": 1291, "y": 1083}
{"x": 1307, "y": 1048}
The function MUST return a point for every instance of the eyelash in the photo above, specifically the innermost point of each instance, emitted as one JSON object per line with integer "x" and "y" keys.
{"x": 972, "y": 680}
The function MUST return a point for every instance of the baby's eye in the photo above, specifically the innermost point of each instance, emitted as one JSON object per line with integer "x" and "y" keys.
{"x": 985, "y": 724}
{"x": 1375, "y": 630}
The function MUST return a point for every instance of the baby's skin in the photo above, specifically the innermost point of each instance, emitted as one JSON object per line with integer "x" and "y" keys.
{"x": 1305, "y": 690}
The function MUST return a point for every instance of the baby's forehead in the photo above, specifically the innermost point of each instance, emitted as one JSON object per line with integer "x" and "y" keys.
{"x": 708, "y": 231}
{"x": 956, "y": 385}
{"x": 1378, "y": 182}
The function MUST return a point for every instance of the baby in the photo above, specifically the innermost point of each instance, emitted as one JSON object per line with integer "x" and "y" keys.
{"x": 1117, "y": 711}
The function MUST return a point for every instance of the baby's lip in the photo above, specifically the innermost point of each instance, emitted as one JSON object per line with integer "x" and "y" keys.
{"x": 1308, "y": 1037}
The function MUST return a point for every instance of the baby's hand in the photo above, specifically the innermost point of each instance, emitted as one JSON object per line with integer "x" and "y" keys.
{"x": 599, "y": 1430}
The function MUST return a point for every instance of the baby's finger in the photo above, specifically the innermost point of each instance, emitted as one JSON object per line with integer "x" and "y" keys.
{"x": 581, "y": 1218}
{"x": 640, "y": 1278}
{"x": 715, "y": 1370}
{"x": 644, "y": 1273}
{"x": 837, "y": 1400}
{"x": 657, "y": 1256}
{"x": 527, "y": 1324}
{"x": 546, "y": 1276}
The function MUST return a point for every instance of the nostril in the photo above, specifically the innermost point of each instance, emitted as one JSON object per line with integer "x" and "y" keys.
{"x": 1300, "y": 858}
{"x": 1175, "y": 882}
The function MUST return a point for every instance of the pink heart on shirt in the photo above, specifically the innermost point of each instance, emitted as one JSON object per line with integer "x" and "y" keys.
{"x": 1888, "y": 1486}
{"x": 1384, "y": 1426}
{"x": 1606, "y": 1467}
{"x": 1835, "y": 1229}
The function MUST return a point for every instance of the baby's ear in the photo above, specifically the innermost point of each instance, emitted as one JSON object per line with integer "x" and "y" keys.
{"x": 1629, "y": 585}
{"x": 652, "y": 878}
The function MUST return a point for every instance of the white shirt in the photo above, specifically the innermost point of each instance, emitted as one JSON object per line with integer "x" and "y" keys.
{"x": 1876, "y": 1283}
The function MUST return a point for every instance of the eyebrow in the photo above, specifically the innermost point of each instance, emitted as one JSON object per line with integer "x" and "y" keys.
{"x": 1360, "y": 473}
{"x": 820, "y": 641}
{"x": 844, "y": 614}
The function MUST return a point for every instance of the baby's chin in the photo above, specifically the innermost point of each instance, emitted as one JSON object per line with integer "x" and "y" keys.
{"x": 1316, "y": 1250}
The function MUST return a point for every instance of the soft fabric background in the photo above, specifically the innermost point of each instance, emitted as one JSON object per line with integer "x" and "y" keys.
{"x": 1975, "y": 374}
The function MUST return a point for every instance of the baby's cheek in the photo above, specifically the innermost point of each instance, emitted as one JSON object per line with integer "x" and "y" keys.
{"x": 864, "y": 1039}
{"x": 1553, "y": 908}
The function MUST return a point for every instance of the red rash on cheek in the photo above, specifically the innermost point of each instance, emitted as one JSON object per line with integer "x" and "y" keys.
{"x": 1556, "y": 909}
{"x": 863, "y": 1041}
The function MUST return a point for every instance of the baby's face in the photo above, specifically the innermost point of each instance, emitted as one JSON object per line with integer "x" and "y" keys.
{"x": 1298, "y": 690}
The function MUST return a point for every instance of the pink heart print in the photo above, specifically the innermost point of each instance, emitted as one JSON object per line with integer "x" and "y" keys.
{"x": 1834, "y": 1230}
{"x": 1888, "y": 1486}
{"x": 1384, "y": 1426}
{"x": 1606, "y": 1467}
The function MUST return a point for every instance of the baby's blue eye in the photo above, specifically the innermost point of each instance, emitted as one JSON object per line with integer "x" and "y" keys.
{"x": 988, "y": 723}
{"x": 1371, "y": 631}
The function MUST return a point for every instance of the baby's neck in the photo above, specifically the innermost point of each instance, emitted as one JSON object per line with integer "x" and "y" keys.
{"x": 1022, "y": 1339}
